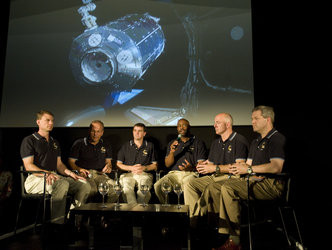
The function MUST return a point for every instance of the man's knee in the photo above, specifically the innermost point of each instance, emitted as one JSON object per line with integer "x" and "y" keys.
{"x": 86, "y": 188}
{"x": 61, "y": 185}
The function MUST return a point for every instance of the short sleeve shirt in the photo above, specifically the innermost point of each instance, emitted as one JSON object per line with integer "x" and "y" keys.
{"x": 193, "y": 150}
{"x": 262, "y": 150}
{"x": 90, "y": 156}
{"x": 130, "y": 154}
{"x": 235, "y": 147}
{"x": 44, "y": 153}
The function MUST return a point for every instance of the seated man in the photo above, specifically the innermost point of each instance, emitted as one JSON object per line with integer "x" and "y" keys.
{"x": 137, "y": 157}
{"x": 92, "y": 157}
{"x": 231, "y": 147}
{"x": 183, "y": 154}
{"x": 41, "y": 152}
{"x": 266, "y": 155}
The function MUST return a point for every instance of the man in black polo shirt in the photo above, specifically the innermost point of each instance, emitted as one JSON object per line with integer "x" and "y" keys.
{"x": 183, "y": 154}
{"x": 266, "y": 155}
{"x": 231, "y": 147}
{"x": 92, "y": 157}
{"x": 41, "y": 152}
{"x": 137, "y": 157}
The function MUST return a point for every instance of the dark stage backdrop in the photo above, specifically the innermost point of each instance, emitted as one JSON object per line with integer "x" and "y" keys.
{"x": 283, "y": 78}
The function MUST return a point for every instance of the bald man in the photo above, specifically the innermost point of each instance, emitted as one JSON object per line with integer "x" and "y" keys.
{"x": 230, "y": 148}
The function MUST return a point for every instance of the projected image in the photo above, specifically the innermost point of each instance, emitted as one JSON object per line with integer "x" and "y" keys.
{"x": 115, "y": 56}
{"x": 128, "y": 61}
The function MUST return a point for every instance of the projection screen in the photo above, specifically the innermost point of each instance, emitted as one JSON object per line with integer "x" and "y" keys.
{"x": 128, "y": 61}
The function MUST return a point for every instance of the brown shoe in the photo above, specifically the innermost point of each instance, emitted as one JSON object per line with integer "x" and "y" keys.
{"x": 229, "y": 245}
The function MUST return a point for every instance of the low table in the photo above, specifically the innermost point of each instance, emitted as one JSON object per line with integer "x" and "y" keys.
{"x": 149, "y": 225}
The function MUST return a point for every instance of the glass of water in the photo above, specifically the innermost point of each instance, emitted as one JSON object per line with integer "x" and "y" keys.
{"x": 178, "y": 190}
{"x": 166, "y": 187}
{"x": 103, "y": 189}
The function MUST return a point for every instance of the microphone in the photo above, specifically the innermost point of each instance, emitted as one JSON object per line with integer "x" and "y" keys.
{"x": 178, "y": 140}
{"x": 179, "y": 137}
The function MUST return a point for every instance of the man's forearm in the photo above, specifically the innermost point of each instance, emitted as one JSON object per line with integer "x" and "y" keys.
{"x": 169, "y": 160}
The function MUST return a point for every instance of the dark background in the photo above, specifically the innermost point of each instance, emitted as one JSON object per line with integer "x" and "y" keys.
{"x": 285, "y": 77}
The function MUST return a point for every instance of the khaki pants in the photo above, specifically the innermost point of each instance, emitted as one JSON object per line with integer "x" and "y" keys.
{"x": 196, "y": 194}
{"x": 97, "y": 178}
{"x": 129, "y": 181}
{"x": 226, "y": 196}
{"x": 59, "y": 190}
{"x": 174, "y": 177}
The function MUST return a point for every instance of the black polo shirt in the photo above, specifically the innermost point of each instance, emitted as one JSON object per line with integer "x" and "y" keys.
{"x": 44, "y": 153}
{"x": 193, "y": 150}
{"x": 130, "y": 154}
{"x": 235, "y": 147}
{"x": 90, "y": 156}
{"x": 262, "y": 150}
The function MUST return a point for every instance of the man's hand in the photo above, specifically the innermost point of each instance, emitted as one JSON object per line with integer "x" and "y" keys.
{"x": 107, "y": 169}
{"x": 51, "y": 178}
{"x": 173, "y": 146}
{"x": 137, "y": 169}
{"x": 239, "y": 168}
{"x": 84, "y": 172}
{"x": 73, "y": 175}
{"x": 206, "y": 167}
{"x": 186, "y": 166}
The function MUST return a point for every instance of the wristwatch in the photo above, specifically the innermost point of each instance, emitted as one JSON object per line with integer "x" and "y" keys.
{"x": 217, "y": 169}
{"x": 250, "y": 170}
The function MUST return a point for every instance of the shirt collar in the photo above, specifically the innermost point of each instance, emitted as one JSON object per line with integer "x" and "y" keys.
{"x": 230, "y": 137}
{"x": 132, "y": 143}
{"x": 86, "y": 141}
{"x": 272, "y": 132}
{"x": 38, "y": 136}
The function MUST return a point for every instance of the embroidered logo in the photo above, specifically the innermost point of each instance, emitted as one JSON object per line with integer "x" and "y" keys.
{"x": 262, "y": 146}
{"x": 103, "y": 150}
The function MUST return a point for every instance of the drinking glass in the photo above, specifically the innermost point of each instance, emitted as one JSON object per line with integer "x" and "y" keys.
{"x": 144, "y": 188}
{"x": 178, "y": 190}
{"x": 166, "y": 187}
{"x": 118, "y": 191}
{"x": 103, "y": 189}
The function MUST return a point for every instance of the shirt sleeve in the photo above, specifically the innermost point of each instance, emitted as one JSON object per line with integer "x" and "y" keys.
{"x": 153, "y": 154}
{"x": 168, "y": 149}
{"x": 27, "y": 149}
{"x": 121, "y": 154}
{"x": 211, "y": 152}
{"x": 75, "y": 150}
{"x": 201, "y": 151}
{"x": 277, "y": 147}
{"x": 251, "y": 150}
{"x": 242, "y": 148}
{"x": 108, "y": 151}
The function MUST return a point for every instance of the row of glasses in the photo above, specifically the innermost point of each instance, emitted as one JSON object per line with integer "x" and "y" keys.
{"x": 166, "y": 188}
{"x": 104, "y": 188}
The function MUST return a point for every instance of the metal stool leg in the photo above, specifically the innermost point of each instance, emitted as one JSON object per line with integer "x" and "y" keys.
{"x": 284, "y": 226}
{"x": 249, "y": 220}
{"x": 18, "y": 215}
